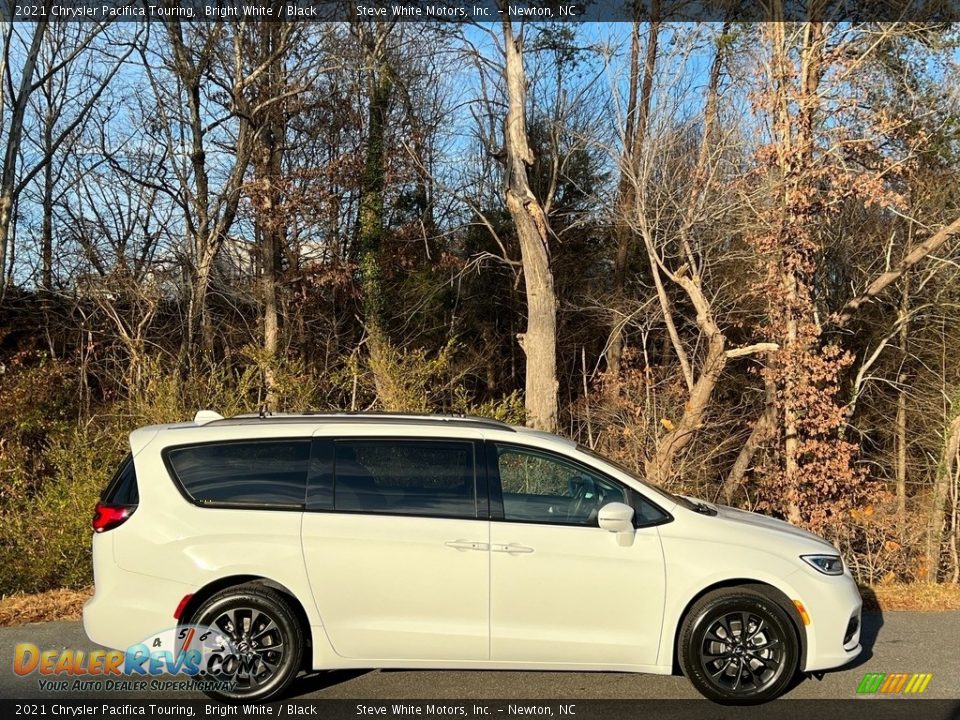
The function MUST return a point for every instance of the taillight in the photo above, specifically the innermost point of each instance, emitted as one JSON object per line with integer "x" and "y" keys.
{"x": 106, "y": 517}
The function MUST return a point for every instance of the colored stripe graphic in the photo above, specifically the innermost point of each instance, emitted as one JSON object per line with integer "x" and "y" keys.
{"x": 870, "y": 683}
{"x": 922, "y": 685}
{"x": 899, "y": 679}
{"x": 894, "y": 683}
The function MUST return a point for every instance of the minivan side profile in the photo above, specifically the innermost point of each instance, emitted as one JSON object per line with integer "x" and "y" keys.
{"x": 312, "y": 542}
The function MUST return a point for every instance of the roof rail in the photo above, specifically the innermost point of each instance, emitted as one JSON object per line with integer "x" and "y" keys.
{"x": 355, "y": 417}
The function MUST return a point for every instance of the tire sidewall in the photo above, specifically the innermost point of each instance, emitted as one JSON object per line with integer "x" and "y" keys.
{"x": 287, "y": 623}
{"x": 700, "y": 620}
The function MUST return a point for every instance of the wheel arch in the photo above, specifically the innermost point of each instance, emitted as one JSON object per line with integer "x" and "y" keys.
{"x": 775, "y": 593}
{"x": 214, "y": 586}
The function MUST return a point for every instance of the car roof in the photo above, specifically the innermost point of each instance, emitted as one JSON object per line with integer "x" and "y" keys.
{"x": 375, "y": 422}
{"x": 206, "y": 418}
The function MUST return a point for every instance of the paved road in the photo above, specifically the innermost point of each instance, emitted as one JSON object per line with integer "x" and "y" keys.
{"x": 893, "y": 641}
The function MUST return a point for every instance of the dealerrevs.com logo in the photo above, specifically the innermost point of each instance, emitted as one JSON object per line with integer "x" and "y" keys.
{"x": 202, "y": 657}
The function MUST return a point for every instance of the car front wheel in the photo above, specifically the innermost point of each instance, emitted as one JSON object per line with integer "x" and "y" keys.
{"x": 739, "y": 646}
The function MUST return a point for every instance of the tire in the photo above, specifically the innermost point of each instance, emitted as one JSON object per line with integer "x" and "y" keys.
{"x": 250, "y": 609}
{"x": 748, "y": 668}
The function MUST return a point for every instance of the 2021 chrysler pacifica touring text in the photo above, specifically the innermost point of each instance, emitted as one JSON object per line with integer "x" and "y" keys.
{"x": 390, "y": 541}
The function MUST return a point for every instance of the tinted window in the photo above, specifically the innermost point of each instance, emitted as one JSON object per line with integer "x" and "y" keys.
{"x": 632, "y": 473}
{"x": 405, "y": 477}
{"x": 540, "y": 487}
{"x": 122, "y": 488}
{"x": 646, "y": 512}
{"x": 267, "y": 472}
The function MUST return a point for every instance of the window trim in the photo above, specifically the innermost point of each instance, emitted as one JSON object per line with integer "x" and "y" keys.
{"x": 227, "y": 505}
{"x": 480, "y": 475}
{"x": 496, "y": 487}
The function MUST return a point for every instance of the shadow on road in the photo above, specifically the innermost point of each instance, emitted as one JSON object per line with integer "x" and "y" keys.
{"x": 315, "y": 681}
{"x": 871, "y": 622}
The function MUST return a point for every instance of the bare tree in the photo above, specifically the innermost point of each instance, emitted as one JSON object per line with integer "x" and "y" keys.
{"x": 634, "y": 136}
{"x": 268, "y": 42}
{"x": 673, "y": 259}
{"x": 539, "y": 340}
{"x": 201, "y": 57}
{"x": 71, "y": 44}
{"x": 371, "y": 219}
{"x": 946, "y": 477}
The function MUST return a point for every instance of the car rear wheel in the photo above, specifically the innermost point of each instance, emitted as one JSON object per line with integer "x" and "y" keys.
{"x": 738, "y": 646}
{"x": 265, "y": 635}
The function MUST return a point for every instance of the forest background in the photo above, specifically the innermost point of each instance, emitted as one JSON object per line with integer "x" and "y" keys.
{"x": 725, "y": 254}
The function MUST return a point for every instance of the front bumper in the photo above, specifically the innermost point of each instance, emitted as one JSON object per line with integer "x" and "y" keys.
{"x": 835, "y": 608}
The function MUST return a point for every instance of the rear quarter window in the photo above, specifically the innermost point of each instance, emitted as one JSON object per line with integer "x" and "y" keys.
{"x": 122, "y": 488}
{"x": 260, "y": 473}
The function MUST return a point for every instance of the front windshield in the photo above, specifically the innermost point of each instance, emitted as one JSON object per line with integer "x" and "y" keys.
{"x": 679, "y": 499}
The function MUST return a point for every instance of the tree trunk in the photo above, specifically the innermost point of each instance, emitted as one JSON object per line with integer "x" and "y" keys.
{"x": 901, "y": 420}
{"x": 200, "y": 313}
{"x": 941, "y": 488}
{"x": 659, "y": 468}
{"x": 764, "y": 429}
{"x": 795, "y": 102}
{"x": 8, "y": 172}
{"x": 271, "y": 316}
{"x": 371, "y": 201}
{"x": 46, "y": 226}
{"x": 539, "y": 340}
{"x": 637, "y": 117}
{"x": 371, "y": 218}
{"x": 46, "y": 231}
{"x": 269, "y": 145}
{"x": 208, "y": 229}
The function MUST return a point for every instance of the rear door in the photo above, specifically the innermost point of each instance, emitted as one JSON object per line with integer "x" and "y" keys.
{"x": 396, "y": 545}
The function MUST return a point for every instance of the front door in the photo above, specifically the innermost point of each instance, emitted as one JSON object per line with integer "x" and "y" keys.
{"x": 562, "y": 589}
{"x": 399, "y": 562}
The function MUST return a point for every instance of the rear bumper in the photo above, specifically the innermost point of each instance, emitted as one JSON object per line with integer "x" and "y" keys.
{"x": 127, "y": 607}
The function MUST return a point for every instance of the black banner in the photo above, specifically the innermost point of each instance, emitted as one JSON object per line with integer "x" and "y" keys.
{"x": 483, "y": 11}
{"x": 854, "y": 709}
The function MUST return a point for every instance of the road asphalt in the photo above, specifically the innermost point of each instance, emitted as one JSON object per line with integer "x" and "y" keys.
{"x": 911, "y": 642}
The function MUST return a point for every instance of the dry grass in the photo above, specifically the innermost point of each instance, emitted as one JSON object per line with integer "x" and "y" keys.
{"x": 66, "y": 604}
{"x": 916, "y": 596}
{"x": 61, "y": 604}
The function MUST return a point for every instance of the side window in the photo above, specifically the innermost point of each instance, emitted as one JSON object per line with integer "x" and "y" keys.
{"x": 645, "y": 512}
{"x": 256, "y": 473}
{"x": 540, "y": 487}
{"x": 405, "y": 477}
{"x": 122, "y": 488}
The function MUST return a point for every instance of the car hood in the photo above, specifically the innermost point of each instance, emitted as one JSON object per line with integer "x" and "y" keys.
{"x": 745, "y": 519}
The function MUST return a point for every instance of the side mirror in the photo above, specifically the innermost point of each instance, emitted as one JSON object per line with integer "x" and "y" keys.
{"x": 616, "y": 517}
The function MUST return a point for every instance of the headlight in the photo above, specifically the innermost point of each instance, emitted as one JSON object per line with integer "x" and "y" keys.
{"x": 827, "y": 564}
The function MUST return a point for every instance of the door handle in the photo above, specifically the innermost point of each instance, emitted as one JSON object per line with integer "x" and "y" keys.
{"x": 463, "y": 545}
{"x": 513, "y": 549}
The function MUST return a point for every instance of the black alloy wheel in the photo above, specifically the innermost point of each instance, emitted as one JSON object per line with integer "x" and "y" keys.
{"x": 739, "y": 646}
{"x": 266, "y": 636}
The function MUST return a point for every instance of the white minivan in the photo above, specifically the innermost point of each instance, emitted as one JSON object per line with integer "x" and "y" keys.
{"x": 394, "y": 541}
